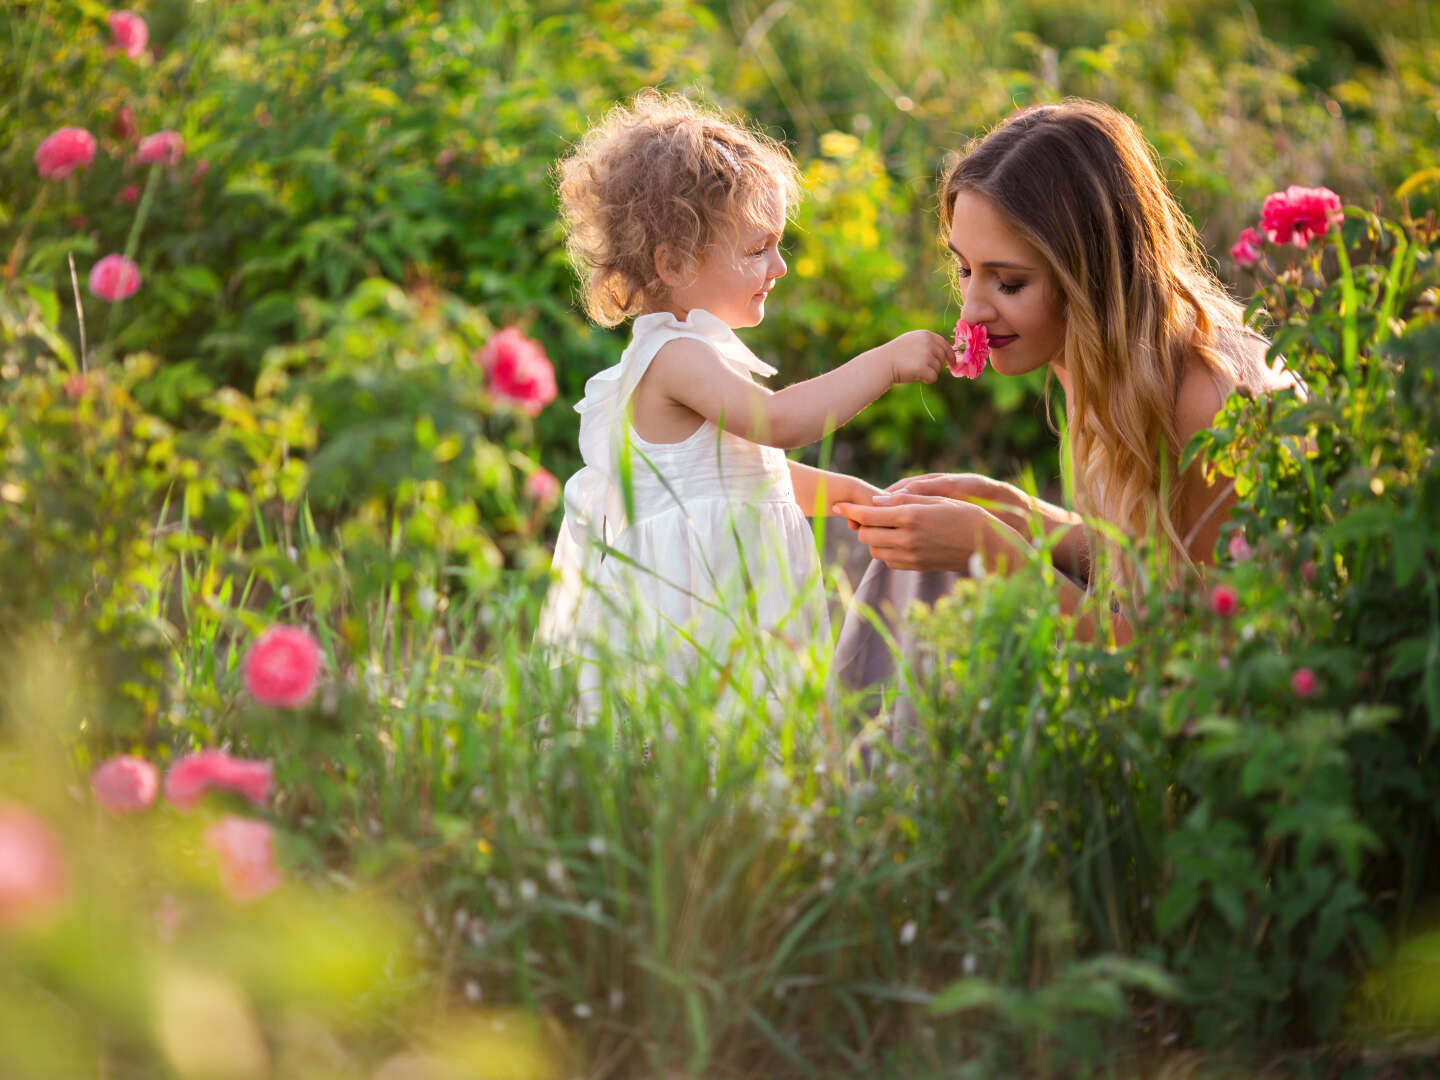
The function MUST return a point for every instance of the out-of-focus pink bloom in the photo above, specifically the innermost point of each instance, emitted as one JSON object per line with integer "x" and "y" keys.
{"x": 201, "y": 168}
{"x": 124, "y": 125}
{"x": 1224, "y": 601}
{"x": 542, "y": 486}
{"x": 130, "y": 33}
{"x": 32, "y": 869}
{"x": 247, "y": 857}
{"x": 971, "y": 348}
{"x": 1246, "y": 250}
{"x": 282, "y": 667}
{"x": 1307, "y": 570}
{"x": 115, "y": 278}
{"x": 62, "y": 153}
{"x": 1238, "y": 547}
{"x": 80, "y": 221}
{"x": 162, "y": 148}
{"x": 125, "y": 784}
{"x": 130, "y": 193}
{"x": 519, "y": 370}
{"x": 75, "y": 387}
{"x": 1299, "y": 214}
{"x": 193, "y": 775}
{"x": 1303, "y": 682}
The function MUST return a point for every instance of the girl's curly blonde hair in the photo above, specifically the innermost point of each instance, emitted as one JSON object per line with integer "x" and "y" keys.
{"x": 661, "y": 170}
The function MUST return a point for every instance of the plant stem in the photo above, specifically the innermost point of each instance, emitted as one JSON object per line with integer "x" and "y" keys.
{"x": 13, "y": 262}
{"x": 132, "y": 242}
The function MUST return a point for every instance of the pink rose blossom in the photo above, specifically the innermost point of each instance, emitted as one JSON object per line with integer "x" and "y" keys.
{"x": 1299, "y": 214}
{"x": 542, "y": 485}
{"x": 972, "y": 349}
{"x": 125, "y": 784}
{"x": 32, "y": 869}
{"x": 115, "y": 278}
{"x": 1246, "y": 251}
{"x": 75, "y": 386}
{"x": 130, "y": 33}
{"x": 247, "y": 857}
{"x": 282, "y": 667}
{"x": 1239, "y": 547}
{"x": 1224, "y": 601}
{"x": 62, "y": 153}
{"x": 129, "y": 194}
{"x": 193, "y": 775}
{"x": 162, "y": 148}
{"x": 519, "y": 370}
{"x": 1303, "y": 682}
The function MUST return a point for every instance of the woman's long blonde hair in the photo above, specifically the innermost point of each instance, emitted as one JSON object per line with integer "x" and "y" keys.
{"x": 1079, "y": 181}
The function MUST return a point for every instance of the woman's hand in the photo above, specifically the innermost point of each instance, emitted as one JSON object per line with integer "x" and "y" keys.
{"x": 931, "y": 532}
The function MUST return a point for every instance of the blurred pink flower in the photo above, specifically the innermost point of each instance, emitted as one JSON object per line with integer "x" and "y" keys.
{"x": 130, "y": 33}
{"x": 32, "y": 869}
{"x": 115, "y": 278}
{"x": 75, "y": 386}
{"x": 1307, "y": 570}
{"x": 519, "y": 370}
{"x": 1224, "y": 601}
{"x": 542, "y": 485}
{"x": 972, "y": 349}
{"x": 162, "y": 148}
{"x": 282, "y": 667}
{"x": 1238, "y": 547}
{"x": 1246, "y": 251}
{"x": 201, "y": 168}
{"x": 63, "y": 152}
{"x": 1303, "y": 682}
{"x": 247, "y": 857}
{"x": 130, "y": 193}
{"x": 1299, "y": 214}
{"x": 193, "y": 775}
{"x": 125, "y": 784}
{"x": 124, "y": 125}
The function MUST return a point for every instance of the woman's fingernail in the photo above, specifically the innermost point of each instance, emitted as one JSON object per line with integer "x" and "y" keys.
{"x": 883, "y": 497}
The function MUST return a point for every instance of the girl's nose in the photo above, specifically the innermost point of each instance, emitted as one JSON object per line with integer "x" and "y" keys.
{"x": 777, "y": 266}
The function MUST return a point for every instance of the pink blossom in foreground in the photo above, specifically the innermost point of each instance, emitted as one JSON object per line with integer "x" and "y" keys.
{"x": 130, "y": 33}
{"x": 1299, "y": 214}
{"x": 162, "y": 148}
{"x": 1246, "y": 250}
{"x": 972, "y": 349}
{"x": 32, "y": 869}
{"x": 519, "y": 370}
{"x": 1238, "y": 547}
{"x": 62, "y": 153}
{"x": 125, "y": 784}
{"x": 1303, "y": 682}
{"x": 282, "y": 667}
{"x": 115, "y": 278}
{"x": 129, "y": 194}
{"x": 542, "y": 486}
{"x": 247, "y": 857}
{"x": 193, "y": 775}
{"x": 1224, "y": 601}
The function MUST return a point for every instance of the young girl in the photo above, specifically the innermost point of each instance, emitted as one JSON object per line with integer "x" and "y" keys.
{"x": 687, "y": 521}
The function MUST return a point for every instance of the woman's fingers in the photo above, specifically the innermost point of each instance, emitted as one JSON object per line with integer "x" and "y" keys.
{"x": 910, "y": 482}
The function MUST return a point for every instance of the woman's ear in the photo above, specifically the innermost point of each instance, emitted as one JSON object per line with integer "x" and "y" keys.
{"x": 669, "y": 266}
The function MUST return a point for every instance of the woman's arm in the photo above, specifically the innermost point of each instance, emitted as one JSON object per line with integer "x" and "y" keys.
{"x": 817, "y": 490}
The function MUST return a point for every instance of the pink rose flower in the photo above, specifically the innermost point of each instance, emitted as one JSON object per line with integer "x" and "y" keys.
{"x": 542, "y": 486}
{"x": 162, "y": 148}
{"x": 129, "y": 194}
{"x": 1299, "y": 214}
{"x": 75, "y": 387}
{"x": 62, "y": 153}
{"x": 972, "y": 349}
{"x": 193, "y": 775}
{"x": 1224, "y": 601}
{"x": 282, "y": 667}
{"x": 130, "y": 33}
{"x": 247, "y": 857}
{"x": 1303, "y": 682}
{"x": 32, "y": 869}
{"x": 1246, "y": 251}
{"x": 519, "y": 370}
{"x": 125, "y": 784}
{"x": 1239, "y": 547}
{"x": 115, "y": 278}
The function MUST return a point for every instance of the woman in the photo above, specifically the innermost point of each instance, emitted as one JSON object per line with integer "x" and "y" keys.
{"x": 1071, "y": 251}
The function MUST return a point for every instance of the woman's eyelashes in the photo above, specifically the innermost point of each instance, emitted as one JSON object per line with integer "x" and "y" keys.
{"x": 1009, "y": 288}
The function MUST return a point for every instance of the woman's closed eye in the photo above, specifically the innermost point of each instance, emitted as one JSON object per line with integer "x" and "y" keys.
{"x": 1009, "y": 288}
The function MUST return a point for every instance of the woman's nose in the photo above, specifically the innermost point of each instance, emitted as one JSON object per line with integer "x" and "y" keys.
{"x": 975, "y": 306}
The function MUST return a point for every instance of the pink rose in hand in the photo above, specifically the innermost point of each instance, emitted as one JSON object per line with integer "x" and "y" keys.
{"x": 62, "y": 153}
{"x": 115, "y": 278}
{"x": 519, "y": 370}
{"x": 247, "y": 857}
{"x": 32, "y": 869}
{"x": 972, "y": 349}
{"x": 162, "y": 148}
{"x": 125, "y": 784}
{"x": 130, "y": 33}
{"x": 1299, "y": 214}
{"x": 193, "y": 775}
{"x": 282, "y": 667}
{"x": 1246, "y": 251}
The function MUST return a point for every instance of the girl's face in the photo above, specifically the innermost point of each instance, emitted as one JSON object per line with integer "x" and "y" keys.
{"x": 735, "y": 274}
{"x": 1006, "y": 284}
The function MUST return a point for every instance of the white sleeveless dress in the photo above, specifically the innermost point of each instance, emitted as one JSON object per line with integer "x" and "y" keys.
{"x": 711, "y": 545}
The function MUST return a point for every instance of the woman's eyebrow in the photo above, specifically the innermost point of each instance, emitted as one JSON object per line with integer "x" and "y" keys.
{"x": 991, "y": 265}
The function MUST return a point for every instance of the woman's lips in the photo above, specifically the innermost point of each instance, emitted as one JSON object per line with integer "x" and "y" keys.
{"x": 999, "y": 341}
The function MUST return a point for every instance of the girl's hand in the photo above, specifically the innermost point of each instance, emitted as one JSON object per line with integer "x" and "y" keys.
{"x": 972, "y": 487}
{"x": 931, "y": 532}
{"x": 915, "y": 356}
{"x": 850, "y": 490}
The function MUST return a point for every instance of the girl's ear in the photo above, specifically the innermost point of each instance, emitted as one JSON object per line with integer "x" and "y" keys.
{"x": 669, "y": 265}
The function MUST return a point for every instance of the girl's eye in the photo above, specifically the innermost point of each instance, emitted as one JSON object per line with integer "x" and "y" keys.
{"x": 962, "y": 271}
{"x": 1011, "y": 290}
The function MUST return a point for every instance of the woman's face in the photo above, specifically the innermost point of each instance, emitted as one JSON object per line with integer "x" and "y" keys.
{"x": 1006, "y": 284}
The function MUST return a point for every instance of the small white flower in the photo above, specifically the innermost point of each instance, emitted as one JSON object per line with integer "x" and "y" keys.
{"x": 1247, "y": 633}
{"x": 293, "y": 553}
{"x": 594, "y": 909}
{"x": 555, "y": 871}
{"x": 582, "y": 1011}
{"x": 284, "y": 592}
{"x": 597, "y": 846}
{"x": 472, "y": 992}
{"x": 828, "y": 859}
{"x": 461, "y": 918}
{"x": 529, "y": 891}
{"x": 969, "y": 963}
{"x": 976, "y": 565}
{"x": 425, "y": 599}
{"x": 429, "y": 914}
{"x": 819, "y": 768}
{"x": 942, "y": 896}
{"x": 907, "y": 932}
{"x": 617, "y": 999}
{"x": 984, "y": 704}
{"x": 827, "y": 883}
{"x": 476, "y": 933}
